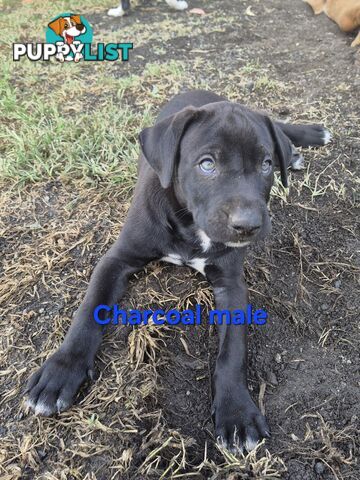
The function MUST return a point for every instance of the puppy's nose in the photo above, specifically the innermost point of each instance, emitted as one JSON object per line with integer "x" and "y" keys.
{"x": 80, "y": 27}
{"x": 245, "y": 221}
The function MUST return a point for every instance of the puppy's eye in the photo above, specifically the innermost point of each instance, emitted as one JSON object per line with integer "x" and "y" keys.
{"x": 207, "y": 165}
{"x": 266, "y": 165}
{"x": 66, "y": 25}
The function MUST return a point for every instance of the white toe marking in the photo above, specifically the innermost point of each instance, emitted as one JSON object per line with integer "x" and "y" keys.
{"x": 220, "y": 441}
{"x": 250, "y": 444}
{"x": 42, "y": 409}
{"x": 30, "y": 404}
{"x": 61, "y": 405}
{"x": 299, "y": 163}
{"x": 177, "y": 4}
{"x": 198, "y": 264}
{"x": 172, "y": 258}
{"x": 204, "y": 240}
{"x": 236, "y": 244}
{"x": 327, "y": 137}
{"x": 116, "y": 12}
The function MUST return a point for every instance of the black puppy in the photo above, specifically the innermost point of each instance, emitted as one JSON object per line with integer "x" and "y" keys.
{"x": 124, "y": 7}
{"x": 205, "y": 174}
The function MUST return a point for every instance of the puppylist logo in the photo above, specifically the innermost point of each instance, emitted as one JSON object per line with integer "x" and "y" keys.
{"x": 69, "y": 38}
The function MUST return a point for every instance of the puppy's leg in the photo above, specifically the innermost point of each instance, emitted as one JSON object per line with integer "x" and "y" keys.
{"x": 317, "y": 5}
{"x": 177, "y": 4}
{"x": 238, "y": 422}
{"x": 356, "y": 40}
{"x": 305, "y": 135}
{"x": 53, "y": 387}
{"x": 122, "y": 9}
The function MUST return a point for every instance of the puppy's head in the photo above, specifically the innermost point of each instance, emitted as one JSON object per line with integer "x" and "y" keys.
{"x": 220, "y": 160}
{"x": 68, "y": 27}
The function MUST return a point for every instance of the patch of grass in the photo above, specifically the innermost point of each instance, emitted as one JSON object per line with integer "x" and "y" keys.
{"x": 74, "y": 122}
{"x": 97, "y": 145}
{"x": 83, "y": 129}
{"x": 145, "y": 34}
{"x": 278, "y": 190}
{"x": 266, "y": 83}
{"x": 155, "y": 82}
{"x": 71, "y": 122}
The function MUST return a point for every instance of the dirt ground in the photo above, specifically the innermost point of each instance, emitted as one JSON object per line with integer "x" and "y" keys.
{"x": 147, "y": 415}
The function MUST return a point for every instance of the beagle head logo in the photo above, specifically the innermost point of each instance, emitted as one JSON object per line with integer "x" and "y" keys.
{"x": 69, "y": 32}
{"x": 68, "y": 27}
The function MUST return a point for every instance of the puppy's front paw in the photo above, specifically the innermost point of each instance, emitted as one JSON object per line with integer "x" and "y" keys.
{"x": 53, "y": 387}
{"x": 239, "y": 424}
{"x": 297, "y": 160}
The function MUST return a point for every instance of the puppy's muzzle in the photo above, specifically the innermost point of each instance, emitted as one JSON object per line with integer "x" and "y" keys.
{"x": 245, "y": 223}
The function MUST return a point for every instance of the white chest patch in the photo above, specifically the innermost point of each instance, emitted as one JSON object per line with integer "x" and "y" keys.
{"x": 204, "y": 240}
{"x": 173, "y": 258}
{"x": 198, "y": 264}
{"x": 195, "y": 263}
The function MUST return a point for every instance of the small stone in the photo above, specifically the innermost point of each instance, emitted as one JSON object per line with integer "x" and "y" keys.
{"x": 188, "y": 393}
{"x": 272, "y": 378}
{"x": 324, "y": 306}
{"x": 319, "y": 468}
{"x": 250, "y": 86}
{"x": 41, "y": 310}
{"x": 278, "y": 358}
{"x": 338, "y": 284}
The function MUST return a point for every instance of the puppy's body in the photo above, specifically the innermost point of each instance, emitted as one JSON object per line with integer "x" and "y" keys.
{"x": 346, "y": 13}
{"x": 205, "y": 175}
{"x": 124, "y": 7}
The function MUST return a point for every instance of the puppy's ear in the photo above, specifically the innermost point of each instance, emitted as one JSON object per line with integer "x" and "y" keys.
{"x": 57, "y": 26}
{"x": 283, "y": 149}
{"x": 76, "y": 19}
{"x": 160, "y": 143}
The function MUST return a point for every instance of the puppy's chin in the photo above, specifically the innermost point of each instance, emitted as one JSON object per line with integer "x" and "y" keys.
{"x": 237, "y": 244}
{"x": 224, "y": 237}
